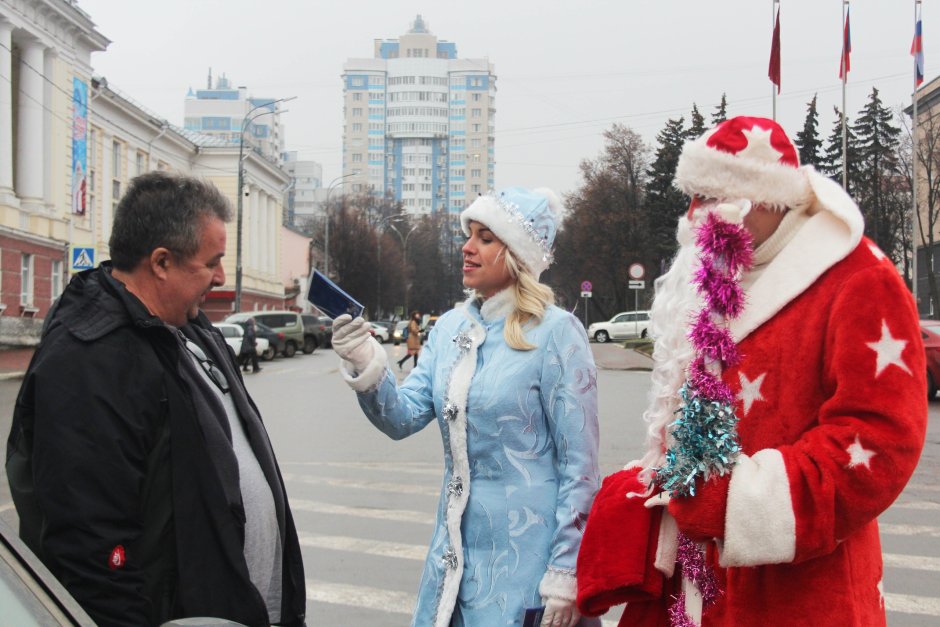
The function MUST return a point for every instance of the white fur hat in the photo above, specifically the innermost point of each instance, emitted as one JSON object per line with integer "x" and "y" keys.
{"x": 745, "y": 157}
{"x": 525, "y": 220}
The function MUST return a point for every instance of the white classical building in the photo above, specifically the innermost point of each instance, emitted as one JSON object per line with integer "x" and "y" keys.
{"x": 419, "y": 123}
{"x": 45, "y": 74}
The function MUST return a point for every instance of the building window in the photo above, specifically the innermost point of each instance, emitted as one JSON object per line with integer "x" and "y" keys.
{"x": 357, "y": 127}
{"x": 26, "y": 280}
{"x": 115, "y": 194}
{"x": 357, "y": 95}
{"x": 476, "y": 97}
{"x": 357, "y": 112}
{"x": 357, "y": 157}
{"x": 116, "y": 159}
{"x": 58, "y": 278}
{"x": 476, "y": 113}
{"x": 141, "y": 163}
{"x": 476, "y": 172}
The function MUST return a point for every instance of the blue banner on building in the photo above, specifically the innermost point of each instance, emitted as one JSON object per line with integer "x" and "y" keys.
{"x": 79, "y": 145}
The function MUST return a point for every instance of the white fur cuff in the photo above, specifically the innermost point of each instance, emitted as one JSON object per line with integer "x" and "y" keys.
{"x": 559, "y": 584}
{"x": 371, "y": 376}
{"x": 760, "y": 524}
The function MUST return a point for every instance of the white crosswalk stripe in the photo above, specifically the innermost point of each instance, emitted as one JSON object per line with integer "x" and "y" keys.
{"x": 351, "y": 511}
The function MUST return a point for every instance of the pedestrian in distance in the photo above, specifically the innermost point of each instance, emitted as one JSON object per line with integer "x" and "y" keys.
{"x": 412, "y": 340}
{"x": 139, "y": 466}
{"x": 510, "y": 379}
{"x": 249, "y": 348}
{"x": 788, "y": 407}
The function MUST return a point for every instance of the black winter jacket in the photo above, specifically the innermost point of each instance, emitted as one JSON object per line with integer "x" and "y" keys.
{"x": 111, "y": 478}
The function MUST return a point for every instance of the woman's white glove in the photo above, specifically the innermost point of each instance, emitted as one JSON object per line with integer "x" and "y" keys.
{"x": 351, "y": 341}
{"x": 559, "y": 613}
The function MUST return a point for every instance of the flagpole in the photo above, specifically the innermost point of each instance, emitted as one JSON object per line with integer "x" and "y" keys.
{"x": 773, "y": 25}
{"x": 914, "y": 168}
{"x": 845, "y": 74}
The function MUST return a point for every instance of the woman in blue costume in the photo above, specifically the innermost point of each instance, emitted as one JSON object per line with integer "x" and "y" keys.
{"x": 510, "y": 379}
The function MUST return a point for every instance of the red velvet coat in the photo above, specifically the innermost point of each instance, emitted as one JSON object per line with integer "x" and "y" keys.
{"x": 831, "y": 396}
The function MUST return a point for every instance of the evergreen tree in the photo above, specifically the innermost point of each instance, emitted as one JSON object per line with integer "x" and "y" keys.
{"x": 807, "y": 140}
{"x": 831, "y": 162}
{"x": 721, "y": 111}
{"x": 697, "y": 127}
{"x": 664, "y": 203}
{"x": 877, "y": 141}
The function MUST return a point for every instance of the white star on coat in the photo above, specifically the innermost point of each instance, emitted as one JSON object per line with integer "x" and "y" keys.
{"x": 750, "y": 390}
{"x": 888, "y": 351}
{"x": 858, "y": 454}
{"x": 758, "y": 146}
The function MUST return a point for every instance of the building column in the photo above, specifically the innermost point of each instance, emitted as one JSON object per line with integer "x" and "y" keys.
{"x": 263, "y": 213}
{"x": 275, "y": 222}
{"x": 29, "y": 141}
{"x": 253, "y": 230}
{"x": 6, "y": 109}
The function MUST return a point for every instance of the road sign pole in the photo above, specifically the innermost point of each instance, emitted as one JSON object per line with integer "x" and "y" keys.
{"x": 636, "y": 316}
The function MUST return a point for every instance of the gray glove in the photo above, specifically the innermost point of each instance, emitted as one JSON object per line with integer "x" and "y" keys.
{"x": 352, "y": 341}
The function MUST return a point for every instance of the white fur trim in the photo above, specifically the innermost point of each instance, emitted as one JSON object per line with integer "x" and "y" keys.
{"x": 368, "y": 379}
{"x": 498, "y": 306}
{"x": 667, "y": 546}
{"x": 458, "y": 391}
{"x": 760, "y": 524}
{"x": 486, "y": 210}
{"x": 833, "y": 231}
{"x": 712, "y": 173}
{"x": 559, "y": 584}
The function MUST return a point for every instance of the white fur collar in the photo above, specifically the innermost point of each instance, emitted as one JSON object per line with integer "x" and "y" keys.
{"x": 498, "y": 305}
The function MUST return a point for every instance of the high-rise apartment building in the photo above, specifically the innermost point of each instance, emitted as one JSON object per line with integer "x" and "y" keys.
{"x": 220, "y": 110}
{"x": 419, "y": 123}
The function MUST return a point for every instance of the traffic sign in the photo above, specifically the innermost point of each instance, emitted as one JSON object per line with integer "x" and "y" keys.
{"x": 636, "y": 271}
{"x": 636, "y": 285}
{"x": 585, "y": 294}
{"x": 586, "y": 286}
{"x": 83, "y": 258}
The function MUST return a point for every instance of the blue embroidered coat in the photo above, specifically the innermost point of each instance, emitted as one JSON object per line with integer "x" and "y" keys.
{"x": 520, "y": 448}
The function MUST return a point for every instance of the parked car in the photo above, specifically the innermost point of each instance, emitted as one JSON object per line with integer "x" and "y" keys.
{"x": 400, "y": 327}
{"x": 234, "y": 334}
{"x": 276, "y": 340}
{"x": 30, "y": 594}
{"x": 627, "y": 324}
{"x": 287, "y": 322}
{"x": 426, "y": 331}
{"x": 318, "y": 332}
{"x": 930, "y": 331}
{"x": 379, "y": 332}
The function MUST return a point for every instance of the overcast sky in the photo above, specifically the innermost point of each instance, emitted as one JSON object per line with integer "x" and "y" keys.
{"x": 566, "y": 70}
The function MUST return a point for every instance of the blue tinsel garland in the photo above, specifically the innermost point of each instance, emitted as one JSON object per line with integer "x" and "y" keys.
{"x": 706, "y": 444}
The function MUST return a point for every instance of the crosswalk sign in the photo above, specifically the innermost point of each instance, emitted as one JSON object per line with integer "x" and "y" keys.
{"x": 83, "y": 258}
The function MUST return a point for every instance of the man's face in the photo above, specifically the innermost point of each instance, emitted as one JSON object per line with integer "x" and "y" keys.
{"x": 189, "y": 280}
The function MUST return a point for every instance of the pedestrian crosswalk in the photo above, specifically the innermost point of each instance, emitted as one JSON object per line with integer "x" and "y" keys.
{"x": 363, "y": 513}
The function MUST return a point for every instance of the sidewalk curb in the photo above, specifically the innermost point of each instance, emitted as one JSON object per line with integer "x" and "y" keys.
{"x": 7, "y": 376}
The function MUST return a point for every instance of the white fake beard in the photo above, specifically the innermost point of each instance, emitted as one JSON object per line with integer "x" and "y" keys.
{"x": 674, "y": 305}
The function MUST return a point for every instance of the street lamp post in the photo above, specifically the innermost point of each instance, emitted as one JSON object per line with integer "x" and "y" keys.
{"x": 404, "y": 259}
{"x": 326, "y": 245}
{"x": 241, "y": 182}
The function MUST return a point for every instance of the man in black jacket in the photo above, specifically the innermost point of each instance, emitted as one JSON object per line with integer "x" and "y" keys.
{"x": 141, "y": 471}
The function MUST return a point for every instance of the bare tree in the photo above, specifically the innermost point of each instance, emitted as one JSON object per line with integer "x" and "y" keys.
{"x": 928, "y": 197}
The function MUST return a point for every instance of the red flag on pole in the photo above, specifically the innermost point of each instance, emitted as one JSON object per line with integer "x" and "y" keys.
{"x": 774, "y": 71}
{"x": 845, "y": 64}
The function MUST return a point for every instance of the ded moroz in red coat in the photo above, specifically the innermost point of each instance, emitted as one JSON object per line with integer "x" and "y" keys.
{"x": 831, "y": 398}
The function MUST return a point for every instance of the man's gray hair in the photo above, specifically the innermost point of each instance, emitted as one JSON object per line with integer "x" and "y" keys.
{"x": 163, "y": 210}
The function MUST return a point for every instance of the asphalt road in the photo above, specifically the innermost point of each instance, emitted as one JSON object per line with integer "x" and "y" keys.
{"x": 364, "y": 504}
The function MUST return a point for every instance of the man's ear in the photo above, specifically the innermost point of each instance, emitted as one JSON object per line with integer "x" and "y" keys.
{"x": 160, "y": 260}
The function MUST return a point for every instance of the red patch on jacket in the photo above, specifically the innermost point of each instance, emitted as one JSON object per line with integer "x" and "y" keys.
{"x": 117, "y": 558}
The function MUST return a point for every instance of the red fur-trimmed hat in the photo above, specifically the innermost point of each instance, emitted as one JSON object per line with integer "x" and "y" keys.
{"x": 745, "y": 157}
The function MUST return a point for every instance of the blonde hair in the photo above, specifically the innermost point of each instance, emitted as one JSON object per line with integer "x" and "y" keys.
{"x": 530, "y": 299}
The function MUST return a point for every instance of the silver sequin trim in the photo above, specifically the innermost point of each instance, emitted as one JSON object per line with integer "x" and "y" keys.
{"x": 455, "y": 487}
{"x": 463, "y": 341}
{"x": 450, "y": 558}
{"x": 450, "y": 411}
